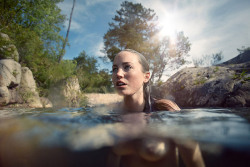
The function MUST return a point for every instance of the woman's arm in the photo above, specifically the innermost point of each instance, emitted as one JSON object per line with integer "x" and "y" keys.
{"x": 191, "y": 154}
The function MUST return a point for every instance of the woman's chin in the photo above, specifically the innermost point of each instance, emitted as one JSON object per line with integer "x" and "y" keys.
{"x": 122, "y": 92}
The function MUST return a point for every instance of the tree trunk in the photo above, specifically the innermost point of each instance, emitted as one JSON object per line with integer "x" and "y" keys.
{"x": 67, "y": 35}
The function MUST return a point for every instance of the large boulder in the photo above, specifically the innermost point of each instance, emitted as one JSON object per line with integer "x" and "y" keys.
{"x": 221, "y": 86}
{"x": 66, "y": 93}
{"x": 7, "y": 49}
{"x": 28, "y": 89}
{"x": 10, "y": 73}
{"x": 17, "y": 85}
{"x": 10, "y": 77}
{"x": 4, "y": 95}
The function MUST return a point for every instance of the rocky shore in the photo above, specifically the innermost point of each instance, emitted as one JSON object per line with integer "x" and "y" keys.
{"x": 18, "y": 87}
{"x": 224, "y": 85}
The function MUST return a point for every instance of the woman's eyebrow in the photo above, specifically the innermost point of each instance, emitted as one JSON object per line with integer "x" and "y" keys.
{"x": 124, "y": 63}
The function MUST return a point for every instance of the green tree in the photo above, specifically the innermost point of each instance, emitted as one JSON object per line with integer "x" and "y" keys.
{"x": 169, "y": 55}
{"x": 34, "y": 26}
{"x": 135, "y": 27}
{"x": 86, "y": 63}
{"x": 90, "y": 79}
{"x": 132, "y": 28}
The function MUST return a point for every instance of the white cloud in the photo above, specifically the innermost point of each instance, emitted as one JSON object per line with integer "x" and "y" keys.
{"x": 74, "y": 26}
{"x": 96, "y": 49}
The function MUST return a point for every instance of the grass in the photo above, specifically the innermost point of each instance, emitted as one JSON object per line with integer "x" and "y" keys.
{"x": 241, "y": 76}
{"x": 216, "y": 69}
{"x": 200, "y": 81}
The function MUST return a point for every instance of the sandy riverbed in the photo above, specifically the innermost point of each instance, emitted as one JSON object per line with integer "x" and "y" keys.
{"x": 99, "y": 98}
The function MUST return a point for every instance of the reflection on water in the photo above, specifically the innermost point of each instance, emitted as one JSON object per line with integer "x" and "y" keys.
{"x": 99, "y": 137}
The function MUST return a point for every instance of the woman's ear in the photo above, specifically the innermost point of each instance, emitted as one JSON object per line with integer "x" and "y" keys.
{"x": 146, "y": 76}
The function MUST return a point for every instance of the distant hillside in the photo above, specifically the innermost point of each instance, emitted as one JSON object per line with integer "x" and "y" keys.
{"x": 241, "y": 58}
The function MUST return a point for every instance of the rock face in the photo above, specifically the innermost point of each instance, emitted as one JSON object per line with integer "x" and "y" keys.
{"x": 17, "y": 85}
{"x": 10, "y": 72}
{"x": 216, "y": 86}
{"x": 10, "y": 77}
{"x": 66, "y": 93}
{"x": 28, "y": 89}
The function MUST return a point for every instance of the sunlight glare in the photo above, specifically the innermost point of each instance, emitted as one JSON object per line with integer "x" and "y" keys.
{"x": 168, "y": 27}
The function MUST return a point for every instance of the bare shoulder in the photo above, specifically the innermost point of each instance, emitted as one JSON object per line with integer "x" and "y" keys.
{"x": 165, "y": 104}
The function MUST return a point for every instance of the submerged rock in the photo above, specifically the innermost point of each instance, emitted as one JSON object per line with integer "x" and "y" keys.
{"x": 46, "y": 102}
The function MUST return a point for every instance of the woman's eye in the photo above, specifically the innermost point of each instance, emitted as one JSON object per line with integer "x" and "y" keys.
{"x": 114, "y": 69}
{"x": 127, "y": 67}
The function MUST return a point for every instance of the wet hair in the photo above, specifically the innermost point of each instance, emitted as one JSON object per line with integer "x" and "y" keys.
{"x": 152, "y": 104}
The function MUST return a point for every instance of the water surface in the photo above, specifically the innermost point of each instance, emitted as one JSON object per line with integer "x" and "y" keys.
{"x": 85, "y": 136}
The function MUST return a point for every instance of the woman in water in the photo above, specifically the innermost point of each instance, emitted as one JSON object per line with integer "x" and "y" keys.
{"x": 131, "y": 78}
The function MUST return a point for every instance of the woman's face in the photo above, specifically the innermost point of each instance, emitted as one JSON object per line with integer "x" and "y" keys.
{"x": 128, "y": 77}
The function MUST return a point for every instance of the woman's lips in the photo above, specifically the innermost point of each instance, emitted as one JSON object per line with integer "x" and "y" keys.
{"x": 120, "y": 84}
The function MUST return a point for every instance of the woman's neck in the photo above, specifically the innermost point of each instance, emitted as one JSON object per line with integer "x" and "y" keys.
{"x": 134, "y": 103}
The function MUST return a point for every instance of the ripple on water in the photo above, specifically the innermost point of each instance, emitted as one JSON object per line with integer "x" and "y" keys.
{"x": 79, "y": 128}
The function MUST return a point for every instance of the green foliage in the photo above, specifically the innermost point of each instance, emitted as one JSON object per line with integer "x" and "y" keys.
{"x": 27, "y": 96}
{"x": 86, "y": 63}
{"x": 216, "y": 69}
{"x": 132, "y": 27}
{"x": 33, "y": 25}
{"x": 90, "y": 79}
{"x": 200, "y": 81}
{"x": 6, "y": 48}
{"x": 47, "y": 72}
{"x": 15, "y": 73}
{"x": 83, "y": 101}
{"x": 241, "y": 76}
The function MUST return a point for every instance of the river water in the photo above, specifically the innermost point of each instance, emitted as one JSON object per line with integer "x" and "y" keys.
{"x": 86, "y": 136}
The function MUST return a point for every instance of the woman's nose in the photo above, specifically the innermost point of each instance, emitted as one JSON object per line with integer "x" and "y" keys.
{"x": 119, "y": 73}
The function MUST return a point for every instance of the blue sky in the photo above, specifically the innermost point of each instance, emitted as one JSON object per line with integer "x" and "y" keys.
{"x": 211, "y": 25}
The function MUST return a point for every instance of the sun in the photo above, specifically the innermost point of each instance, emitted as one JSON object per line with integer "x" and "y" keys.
{"x": 168, "y": 26}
